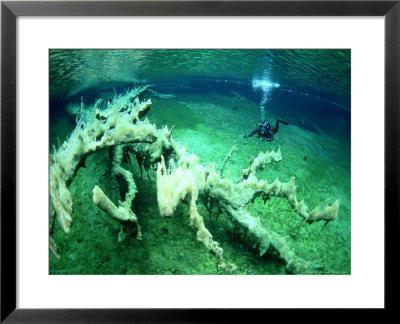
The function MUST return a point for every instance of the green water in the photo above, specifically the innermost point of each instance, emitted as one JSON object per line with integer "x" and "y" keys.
{"x": 212, "y": 107}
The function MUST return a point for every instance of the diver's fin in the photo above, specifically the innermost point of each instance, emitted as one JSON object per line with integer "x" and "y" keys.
{"x": 283, "y": 122}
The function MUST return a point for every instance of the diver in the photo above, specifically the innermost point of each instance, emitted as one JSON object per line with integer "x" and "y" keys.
{"x": 265, "y": 131}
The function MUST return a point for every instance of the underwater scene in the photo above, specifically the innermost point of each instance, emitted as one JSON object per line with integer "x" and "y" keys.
{"x": 200, "y": 161}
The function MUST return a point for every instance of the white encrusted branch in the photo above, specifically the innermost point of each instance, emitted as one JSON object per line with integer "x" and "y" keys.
{"x": 123, "y": 211}
{"x": 118, "y": 124}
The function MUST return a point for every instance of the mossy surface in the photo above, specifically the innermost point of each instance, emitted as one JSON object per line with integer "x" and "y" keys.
{"x": 210, "y": 126}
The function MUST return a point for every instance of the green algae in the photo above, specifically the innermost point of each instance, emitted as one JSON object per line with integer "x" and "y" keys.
{"x": 169, "y": 245}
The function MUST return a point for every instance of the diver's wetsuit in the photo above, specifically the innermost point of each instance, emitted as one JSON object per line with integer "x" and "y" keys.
{"x": 265, "y": 131}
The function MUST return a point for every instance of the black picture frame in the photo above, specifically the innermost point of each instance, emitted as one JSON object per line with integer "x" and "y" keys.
{"x": 10, "y": 10}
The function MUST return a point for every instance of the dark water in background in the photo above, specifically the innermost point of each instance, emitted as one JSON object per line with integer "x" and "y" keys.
{"x": 313, "y": 93}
